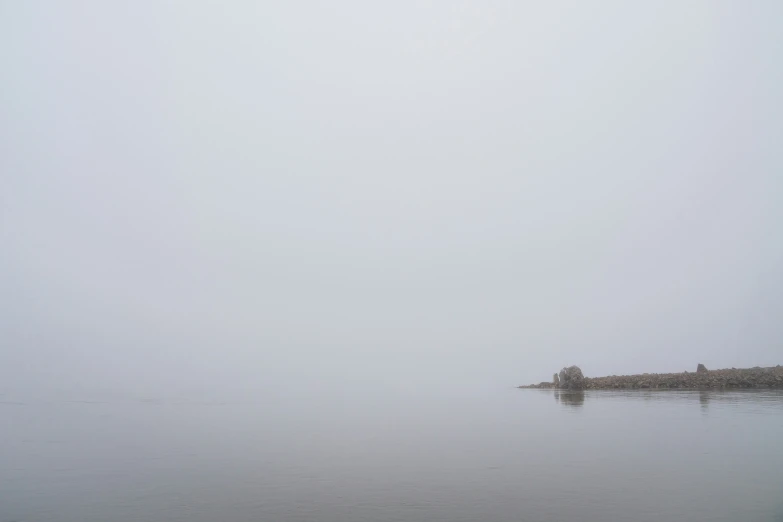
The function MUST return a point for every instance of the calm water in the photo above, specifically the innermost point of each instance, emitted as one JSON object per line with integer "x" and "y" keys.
{"x": 500, "y": 455}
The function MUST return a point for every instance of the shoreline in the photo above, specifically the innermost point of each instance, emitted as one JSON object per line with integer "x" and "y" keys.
{"x": 732, "y": 378}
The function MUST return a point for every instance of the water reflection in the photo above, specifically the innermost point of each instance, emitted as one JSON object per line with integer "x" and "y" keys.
{"x": 570, "y": 398}
{"x": 704, "y": 399}
{"x": 708, "y": 400}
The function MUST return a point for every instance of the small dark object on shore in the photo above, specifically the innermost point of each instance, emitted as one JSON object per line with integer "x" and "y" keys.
{"x": 701, "y": 369}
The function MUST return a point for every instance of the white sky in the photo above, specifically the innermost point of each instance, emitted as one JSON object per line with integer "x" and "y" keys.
{"x": 242, "y": 195}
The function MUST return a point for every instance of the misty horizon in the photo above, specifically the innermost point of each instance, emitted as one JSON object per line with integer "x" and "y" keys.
{"x": 204, "y": 200}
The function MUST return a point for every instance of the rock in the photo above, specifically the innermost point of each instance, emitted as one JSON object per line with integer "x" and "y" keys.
{"x": 701, "y": 369}
{"x": 571, "y": 378}
{"x": 556, "y": 381}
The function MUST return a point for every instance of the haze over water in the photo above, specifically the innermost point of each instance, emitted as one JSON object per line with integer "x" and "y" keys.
{"x": 286, "y": 261}
{"x": 363, "y": 454}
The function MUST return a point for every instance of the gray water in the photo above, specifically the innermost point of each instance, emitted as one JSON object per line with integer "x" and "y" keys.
{"x": 365, "y": 455}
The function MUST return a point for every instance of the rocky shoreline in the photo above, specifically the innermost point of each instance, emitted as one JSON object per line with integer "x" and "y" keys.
{"x": 572, "y": 379}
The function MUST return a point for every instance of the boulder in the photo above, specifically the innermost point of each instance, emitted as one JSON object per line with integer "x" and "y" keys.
{"x": 701, "y": 369}
{"x": 571, "y": 378}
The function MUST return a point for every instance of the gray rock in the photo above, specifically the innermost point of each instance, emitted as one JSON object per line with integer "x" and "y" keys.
{"x": 701, "y": 368}
{"x": 571, "y": 378}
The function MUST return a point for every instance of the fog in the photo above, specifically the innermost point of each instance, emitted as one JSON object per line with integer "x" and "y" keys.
{"x": 226, "y": 198}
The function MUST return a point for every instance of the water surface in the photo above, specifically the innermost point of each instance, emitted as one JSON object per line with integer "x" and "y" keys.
{"x": 364, "y": 455}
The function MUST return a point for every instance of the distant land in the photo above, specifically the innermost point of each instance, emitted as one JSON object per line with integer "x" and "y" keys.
{"x": 571, "y": 378}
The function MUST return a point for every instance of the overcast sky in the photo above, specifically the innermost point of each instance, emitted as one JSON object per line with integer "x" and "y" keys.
{"x": 242, "y": 195}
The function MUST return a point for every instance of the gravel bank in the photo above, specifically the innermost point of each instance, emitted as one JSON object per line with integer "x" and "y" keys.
{"x": 704, "y": 379}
